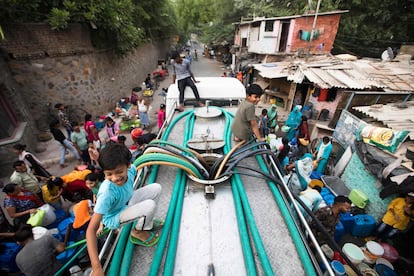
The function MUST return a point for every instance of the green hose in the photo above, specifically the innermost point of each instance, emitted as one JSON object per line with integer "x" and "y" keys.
{"x": 171, "y": 214}
{"x": 159, "y": 252}
{"x": 260, "y": 249}
{"x": 62, "y": 269}
{"x": 243, "y": 231}
{"x": 106, "y": 230}
{"x": 182, "y": 148}
{"x": 301, "y": 249}
{"x": 148, "y": 157}
{"x": 126, "y": 260}
{"x": 124, "y": 250}
{"x": 119, "y": 250}
{"x": 172, "y": 245}
{"x": 175, "y": 230}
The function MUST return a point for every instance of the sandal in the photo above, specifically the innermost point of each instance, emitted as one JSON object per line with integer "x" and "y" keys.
{"x": 157, "y": 224}
{"x": 151, "y": 241}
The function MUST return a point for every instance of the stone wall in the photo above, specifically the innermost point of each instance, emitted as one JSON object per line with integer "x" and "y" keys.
{"x": 93, "y": 82}
{"x": 41, "y": 67}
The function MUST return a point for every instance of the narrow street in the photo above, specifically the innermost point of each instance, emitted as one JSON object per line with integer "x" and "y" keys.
{"x": 204, "y": 67}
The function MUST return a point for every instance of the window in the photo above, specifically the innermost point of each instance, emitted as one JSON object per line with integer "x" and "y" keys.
{"x": 269, "y": 26}
{"x": 8, "y": 122}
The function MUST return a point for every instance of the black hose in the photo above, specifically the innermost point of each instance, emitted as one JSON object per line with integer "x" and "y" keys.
{"x": 203, "y": 171}
{"x": 243, "y": 148}
{"x": 248, "y": 154}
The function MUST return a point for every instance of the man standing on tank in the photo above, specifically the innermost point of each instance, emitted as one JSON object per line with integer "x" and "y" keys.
{"x": 184, "y": 76}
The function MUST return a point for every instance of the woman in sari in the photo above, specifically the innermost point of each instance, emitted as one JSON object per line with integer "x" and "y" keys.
{"x": 31, "y": 161}
{"x": 303, "y": 169}
{"x": 272, "y": 118}
{"x": 321, "y": 155}
{"x": 20, "y": 203}
{"x": 293, "y": 122}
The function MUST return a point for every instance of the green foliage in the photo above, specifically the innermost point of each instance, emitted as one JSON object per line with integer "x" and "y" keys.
{"x": 118, "y": 24}
{"x": 2, "y": 34}
{"x": 370, "y": 26}
{"x": 58, "y": 19}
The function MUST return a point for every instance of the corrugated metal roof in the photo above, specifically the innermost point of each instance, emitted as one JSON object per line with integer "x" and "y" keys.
{"x": 397, "y": 116}
{"x": 327, "y": 72}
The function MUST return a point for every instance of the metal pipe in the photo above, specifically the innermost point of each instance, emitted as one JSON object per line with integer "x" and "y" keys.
{"x": 313, "y": 27}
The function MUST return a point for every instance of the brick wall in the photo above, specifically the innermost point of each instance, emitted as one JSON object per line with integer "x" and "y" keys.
{"x": 326, "y": 24}
{"x": 42, "y": 66}
{"x": 37, "y": 40}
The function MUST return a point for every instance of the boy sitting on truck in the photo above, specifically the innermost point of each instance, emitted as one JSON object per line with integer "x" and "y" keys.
{"x": 118, "y": 203}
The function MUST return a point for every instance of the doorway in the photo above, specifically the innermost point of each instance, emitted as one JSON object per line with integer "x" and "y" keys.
{"x": 284, "y": 36}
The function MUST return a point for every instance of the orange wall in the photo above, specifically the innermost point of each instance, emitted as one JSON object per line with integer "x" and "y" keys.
{"x": 328, "y": 24}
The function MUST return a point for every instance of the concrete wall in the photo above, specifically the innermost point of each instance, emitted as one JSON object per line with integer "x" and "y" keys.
{"x": 41, "y": 67}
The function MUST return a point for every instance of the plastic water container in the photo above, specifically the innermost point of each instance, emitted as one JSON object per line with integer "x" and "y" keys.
{"x": 339, "y": 231}
{"x": 338, "y": 268}
{"x": 390, "y": 253}
{"x": 358, "y": 198}
{"x": 8, "y": 256}
{"x": 66, "y": 255}
{"x": 348, "y": 221}
{"x": 50, "y": 216}
{"x": 364, "y": 225}
{"x": 39, "y": 232}
{"x": 353, "y": 252}
{"x": 60, "y": 215}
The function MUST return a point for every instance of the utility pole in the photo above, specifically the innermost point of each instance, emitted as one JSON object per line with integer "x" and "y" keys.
{"x": 313, "y": 28}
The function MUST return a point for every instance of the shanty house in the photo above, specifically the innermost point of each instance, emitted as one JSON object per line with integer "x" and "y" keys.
{"x": 288, "y": 34}
{"x": 326, "y": 85}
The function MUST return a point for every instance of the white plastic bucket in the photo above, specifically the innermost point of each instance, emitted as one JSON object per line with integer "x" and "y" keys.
{"x": 38, "y": 232}
{"x": 50, "y": 215}
{"x": 353, "y": 252}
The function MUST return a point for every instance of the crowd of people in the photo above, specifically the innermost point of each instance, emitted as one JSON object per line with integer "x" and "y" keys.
{"x": 78, "y": 193}
{"x": 100, "y": 191}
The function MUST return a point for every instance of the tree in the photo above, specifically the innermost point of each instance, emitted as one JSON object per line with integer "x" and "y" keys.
{"x": 371, "y": 26}
{"x": 118, "y": 24}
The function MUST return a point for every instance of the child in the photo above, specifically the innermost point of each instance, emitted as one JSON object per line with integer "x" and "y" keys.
{"x": 143, "y": 109}
{"x": 399, "y": 213}
{"x": 263, "y": 123}
{"x": 114, "y": 194}
{"x": 111, "y": 127}
{"x": 121, "y": 139}
{"x": 93, "y": 182}
{"x": 51, "y": 193}
{"x": 93, "y": 154}
{"x": 244, "y": 123}
{"x": 161, "y": 116}
{"x": 92, "y": 131}
{"x": 80, "y": 141}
